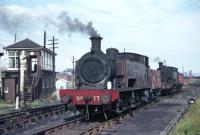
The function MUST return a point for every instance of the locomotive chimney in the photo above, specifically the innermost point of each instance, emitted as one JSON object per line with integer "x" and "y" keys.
{"x": 160, "y": 64}
{"x": 96, "y": 44}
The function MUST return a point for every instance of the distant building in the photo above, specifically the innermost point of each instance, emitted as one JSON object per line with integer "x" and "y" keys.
{"x": 190, "y": 73}
{"x": 68, "y": 71}
{"x": 185, "y": 74}
{"x": 37, "y": 78}
{"x": 196, "y": 74}
{"x": 63, "y": 84}
{"x": 66, "y": 74}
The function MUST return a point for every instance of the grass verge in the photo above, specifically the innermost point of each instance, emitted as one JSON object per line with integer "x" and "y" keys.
{"x": 190, "y": 124}
{"x": 5, "y": 107}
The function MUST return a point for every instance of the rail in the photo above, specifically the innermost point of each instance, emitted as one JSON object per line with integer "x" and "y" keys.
{"x": 53, "y": 129}
{"x": 11, "y": 121}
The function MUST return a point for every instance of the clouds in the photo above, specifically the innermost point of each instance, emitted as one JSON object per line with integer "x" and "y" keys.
{"x": 165, "y": 28}
{"x": 18, "y": 19}
{"x": 13, "y": 18}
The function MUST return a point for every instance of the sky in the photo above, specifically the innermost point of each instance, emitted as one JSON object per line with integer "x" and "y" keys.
{"x": 163, "y": 30}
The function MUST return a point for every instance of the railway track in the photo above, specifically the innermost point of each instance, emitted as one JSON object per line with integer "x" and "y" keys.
{"x": 75, "y": 126}
{"x": 190, "y": 96}
{"x": 78, "y": 127}
{"x": 51, "y": 130}
{"x": 20, "y": 119}
{"x": 107, "y": 125}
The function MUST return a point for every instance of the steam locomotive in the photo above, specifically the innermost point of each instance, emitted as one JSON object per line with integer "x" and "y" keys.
{"x": 116, "y": 81}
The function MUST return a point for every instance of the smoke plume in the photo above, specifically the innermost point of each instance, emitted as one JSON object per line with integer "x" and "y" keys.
{"x": 157, "y": 59}
{"x": 17, "y": 19}
{"x": 67, "y": 24}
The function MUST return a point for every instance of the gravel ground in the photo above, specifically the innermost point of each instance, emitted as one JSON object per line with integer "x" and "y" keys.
{"x": 157, "y": 119}
{"x": 45, "y": 123}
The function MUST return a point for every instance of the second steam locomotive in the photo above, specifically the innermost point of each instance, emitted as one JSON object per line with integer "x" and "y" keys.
{"x": 116, "y": 80}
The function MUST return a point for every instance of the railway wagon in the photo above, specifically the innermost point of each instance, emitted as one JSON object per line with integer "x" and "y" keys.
{"x": 155, "y": 82}
{"x": 169, "y": 79}
{"x": 180, "y": 80}
{"x": 113, "y": 81}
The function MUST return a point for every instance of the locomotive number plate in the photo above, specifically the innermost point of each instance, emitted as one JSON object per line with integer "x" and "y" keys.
{"x": 95, "y": 98}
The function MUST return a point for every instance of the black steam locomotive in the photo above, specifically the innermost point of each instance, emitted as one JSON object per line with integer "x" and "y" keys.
{"x": 112, "y": 81}
{"x": 170, "y": 79}
{"x": 116, "y": 80}
{"x": 126, "y": 72}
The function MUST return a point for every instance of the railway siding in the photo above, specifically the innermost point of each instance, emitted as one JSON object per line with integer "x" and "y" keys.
{"x": 158, "y": 119}
{"x": 19, "y": 120}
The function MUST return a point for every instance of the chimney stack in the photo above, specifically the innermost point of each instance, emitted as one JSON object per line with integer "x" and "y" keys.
{"x": 160, "y": 64}
{"x": 96, "y": 44}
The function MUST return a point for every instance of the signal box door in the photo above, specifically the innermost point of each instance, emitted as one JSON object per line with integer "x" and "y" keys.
{"x": 10, "y": 89}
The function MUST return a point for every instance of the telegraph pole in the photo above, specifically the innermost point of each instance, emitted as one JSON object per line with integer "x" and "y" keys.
{"x": 73, "y": 77}
{"x": 15, "y": 38}
{"x": 53, "y": 45}
{"x": 45, "y": 38}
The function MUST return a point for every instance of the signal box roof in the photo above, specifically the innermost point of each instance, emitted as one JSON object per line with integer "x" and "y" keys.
{"x": 27, "y": 44}
{"x": 24, "y": 44}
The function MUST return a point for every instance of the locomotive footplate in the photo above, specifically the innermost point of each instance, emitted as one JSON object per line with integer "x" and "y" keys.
{"x": 93, "y": 96}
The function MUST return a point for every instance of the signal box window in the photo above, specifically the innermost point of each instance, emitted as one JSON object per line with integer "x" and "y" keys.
{"x": 33, "y": 64}
{"x": 12, "y": 59}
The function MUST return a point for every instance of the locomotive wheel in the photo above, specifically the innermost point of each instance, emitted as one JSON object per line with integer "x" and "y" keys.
{"x": 119, "y": 106}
